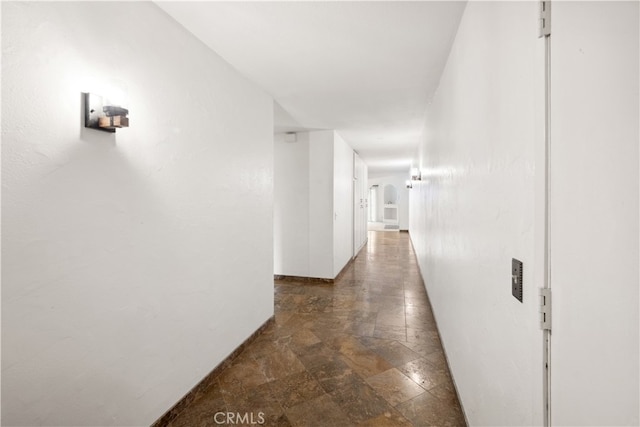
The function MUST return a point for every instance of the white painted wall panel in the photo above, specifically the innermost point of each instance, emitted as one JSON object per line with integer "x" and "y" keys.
{"x": 594, "y": 213}
{"x": 343, "y": 187}
{"x": 291, "y": 206}
{"x": 474, "y": 211}
{"x": 321, "y": 210}
{"x": 132, "y": 263}
{"x": 360, "y": 203}
{"x": 314, "y": 212}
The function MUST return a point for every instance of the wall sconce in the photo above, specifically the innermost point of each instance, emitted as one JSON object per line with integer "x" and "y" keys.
{"x": 415, "y": 174}
{"x": 409, "y": 184}
{"x": 102, "y": 117}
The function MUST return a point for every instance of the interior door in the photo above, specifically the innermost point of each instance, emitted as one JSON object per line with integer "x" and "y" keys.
{"x": 357, "y": 203}
{"x": 372, "y": 204}
{"x": 593, "y": 213}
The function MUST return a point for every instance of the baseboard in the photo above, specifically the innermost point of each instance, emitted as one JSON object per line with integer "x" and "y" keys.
{"x": 285, "y": 278}
{"x": 345, "y": 268}
{"x": 444, "y": 350}
{"x": 208, "y": 380}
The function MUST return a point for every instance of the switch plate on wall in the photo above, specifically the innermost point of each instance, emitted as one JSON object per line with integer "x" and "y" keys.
{"x": 516, "y": 279}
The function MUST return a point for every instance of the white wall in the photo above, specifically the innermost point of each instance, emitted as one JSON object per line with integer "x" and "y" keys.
{"x": 304, "y": 199}
{"x": 360, "y": 203}
{"x": 321, "y": 207}
{"x": 343, "y": 194}
{"x": 291, "y": 207}
{"x": 313, "y": 218}
{"x": 399, "y": 181}
{"x": 594, "y": 213}
{"x": 473, "y": 212}
{"x": 132, "y": 262}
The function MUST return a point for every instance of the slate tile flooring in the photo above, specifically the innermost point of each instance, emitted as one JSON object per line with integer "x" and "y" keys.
{"x": 363, "y": 351}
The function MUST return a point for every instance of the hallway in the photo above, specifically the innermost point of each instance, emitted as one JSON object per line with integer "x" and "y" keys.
{"x": 363, "y": 351}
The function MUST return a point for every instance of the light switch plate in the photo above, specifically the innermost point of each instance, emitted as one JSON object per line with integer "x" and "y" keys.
{"x": 516, "y": 279}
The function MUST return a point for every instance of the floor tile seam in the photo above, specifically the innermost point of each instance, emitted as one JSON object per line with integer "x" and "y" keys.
{"x": 410, "y": 399}
{"x": 226, "y": 404}
{"x": 284, "y": 412}
{"x": 403, "y": 374}
{"x": 317, "y": 397}
{"x": 411, "y": 350}
{"x": 371, "y": 389}
{"x": 393, "y": 326}
{"x": 421, "y": 356}
{"x": 425, "y": 388}
{"x": 325, "y": 393}
{"x": 280, "y": 400}
{"x": 420, "y": 385}
{"x": 407, "y": 400}
{"x": 422, "y": 395}
{"x": 242, "y": 386}
{"x": 364, "y": 378}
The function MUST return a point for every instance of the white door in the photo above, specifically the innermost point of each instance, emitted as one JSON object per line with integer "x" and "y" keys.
{"x": 373, "y": 200}
{"x": 359, "y": 203}
{"x": 593, "y": 213}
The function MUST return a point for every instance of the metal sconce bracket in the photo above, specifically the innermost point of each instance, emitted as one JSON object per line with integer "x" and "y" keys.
{"x": 102, "y": 117}
{"x": 416, "y": 174}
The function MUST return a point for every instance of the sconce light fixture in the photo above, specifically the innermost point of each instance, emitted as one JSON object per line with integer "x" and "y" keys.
{"x": 103, "y": 117}
{"x": 409, "y": 184}
{"x": 415, "y": 174}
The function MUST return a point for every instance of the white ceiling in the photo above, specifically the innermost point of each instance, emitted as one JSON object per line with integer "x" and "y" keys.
{"x": 366, "y": 69}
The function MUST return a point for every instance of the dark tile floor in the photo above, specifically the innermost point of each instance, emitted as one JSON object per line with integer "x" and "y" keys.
{"x": 361, "y": 352}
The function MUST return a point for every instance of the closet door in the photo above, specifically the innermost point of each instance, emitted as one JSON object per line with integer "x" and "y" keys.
{"x": 593, "y": 213}
{"x": 360, "y": 203}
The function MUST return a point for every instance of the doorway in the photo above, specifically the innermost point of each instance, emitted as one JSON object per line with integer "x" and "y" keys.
{"x": 373, "y": 205}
